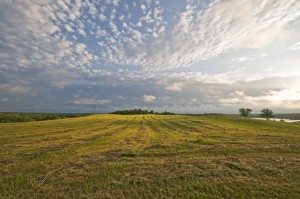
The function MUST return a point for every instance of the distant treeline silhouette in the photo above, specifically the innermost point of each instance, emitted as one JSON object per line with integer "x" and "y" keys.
{"x": 30, "y": 117}
{"x": 140, "y": 112}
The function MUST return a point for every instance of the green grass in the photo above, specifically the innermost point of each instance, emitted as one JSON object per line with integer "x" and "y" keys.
{"x": 150, "y": 156}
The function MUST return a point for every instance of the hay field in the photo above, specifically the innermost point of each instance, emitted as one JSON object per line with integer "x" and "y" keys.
{"x": 150, "y": 156}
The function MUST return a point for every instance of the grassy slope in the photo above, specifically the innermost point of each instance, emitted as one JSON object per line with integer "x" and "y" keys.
{"x": 150, "y": 156}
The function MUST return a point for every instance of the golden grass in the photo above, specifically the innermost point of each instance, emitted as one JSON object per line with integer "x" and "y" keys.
{"x": 150, "y": 156}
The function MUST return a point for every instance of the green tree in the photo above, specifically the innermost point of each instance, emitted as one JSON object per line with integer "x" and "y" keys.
{"x": 245, "y": 111}
{"x": 266, "y": 113}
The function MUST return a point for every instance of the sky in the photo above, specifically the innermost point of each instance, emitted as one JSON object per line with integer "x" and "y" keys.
{"x": 183, "y": 56}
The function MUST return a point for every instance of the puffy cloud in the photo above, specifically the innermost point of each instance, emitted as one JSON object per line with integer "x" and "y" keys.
{"x": 92, "y": 9}
{"x": 201, "y": 34}
{"x": 81, "y": 32}
{"x": 69, "y": 28}
{"x": 102, "y": 17}
{"x": 202, "y": 31}
{"x": 149, "y": 98}
{"x": 42, "y": 42}
{"x": 143, "y": 7}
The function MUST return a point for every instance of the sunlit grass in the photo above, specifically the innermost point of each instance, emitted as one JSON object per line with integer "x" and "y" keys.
{"x": 150, "y": 156}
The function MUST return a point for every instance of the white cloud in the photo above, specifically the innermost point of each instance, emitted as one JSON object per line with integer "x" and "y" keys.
{"x": 288, "y": 98}
{"x": 116, "y": 2}
{"x": 63, "y": 5}
{"x": 80, "y": 48}
{"x": 199, "y": 34}
{"x": 220, "y": 78}
{"x": 149, "y": 98}
{"x": 273, "y": 34}
{"x": 102, "y": 17}
{"x": 42, "y": 43}
{"x": 241, "y": 59}
{"x": 295, "y": 46}
{"x": 176, "y": 87}
{"x": 69, "y": 28}
{"x": 114, "y": 28}
{"x": 253, "y": 78}
{"x": 203, "y": 34}
{"x": 143, "y": 7}
{"x": 92, "y": 10}
{"x": 82, "y": 32}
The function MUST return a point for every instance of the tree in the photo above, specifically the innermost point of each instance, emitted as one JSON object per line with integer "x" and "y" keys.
{"x": 244, "y": 112}
{"x": 266, "y": 113}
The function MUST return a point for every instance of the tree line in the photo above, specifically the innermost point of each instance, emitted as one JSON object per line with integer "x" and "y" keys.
{"x": 30, "y": 117}
{"x": 140, "y": 112}
{"x": 264, "y": 113}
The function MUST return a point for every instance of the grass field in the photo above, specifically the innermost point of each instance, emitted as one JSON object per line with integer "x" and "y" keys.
{"x": 150, "y": 156}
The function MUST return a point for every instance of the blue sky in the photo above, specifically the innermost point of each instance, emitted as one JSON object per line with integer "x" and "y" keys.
{"x": 183, "y": 56}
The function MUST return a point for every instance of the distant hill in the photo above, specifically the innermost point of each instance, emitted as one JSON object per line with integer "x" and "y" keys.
{"x": 291, "y": 116}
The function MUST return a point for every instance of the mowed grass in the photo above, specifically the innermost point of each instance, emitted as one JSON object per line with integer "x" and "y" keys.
{"x": 150, "y": 156}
